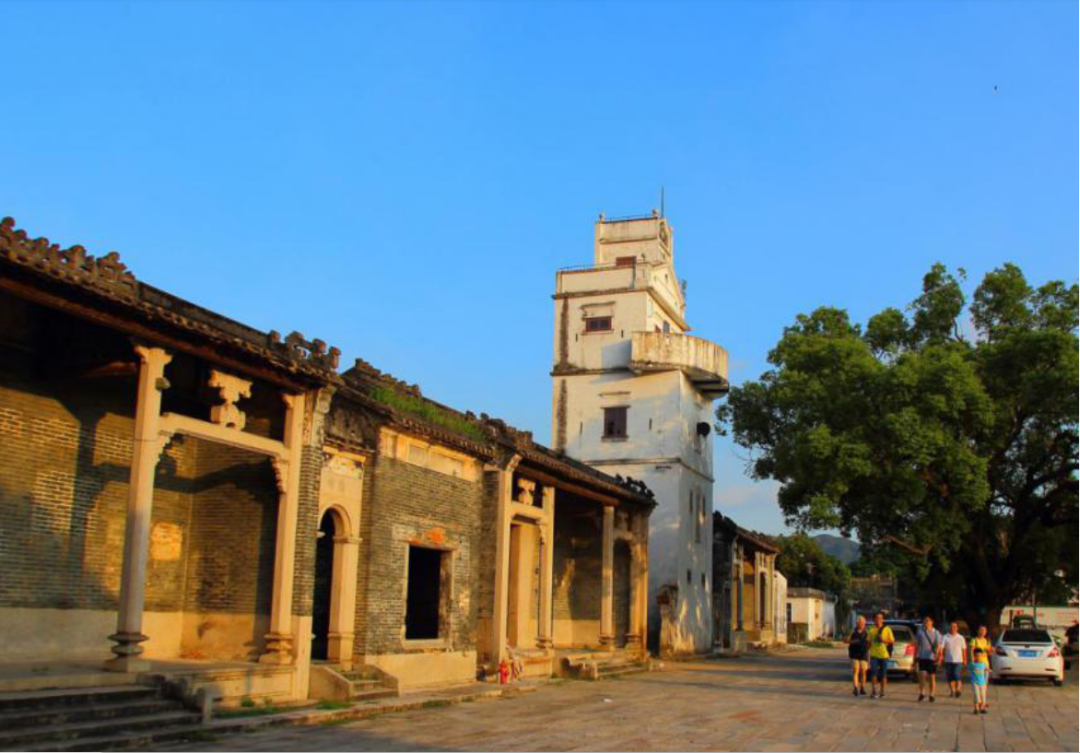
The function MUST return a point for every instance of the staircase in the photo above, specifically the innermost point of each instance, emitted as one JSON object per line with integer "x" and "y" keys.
{"x": 602, "y": 665}
{"x": 92, "y": 718}
{"x": 363, "y": 687}
{"x": 332, "y": 683}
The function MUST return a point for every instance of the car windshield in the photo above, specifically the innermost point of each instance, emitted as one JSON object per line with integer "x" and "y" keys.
{"x": 1026, "y": 636}
{"x": 900, "y": 634}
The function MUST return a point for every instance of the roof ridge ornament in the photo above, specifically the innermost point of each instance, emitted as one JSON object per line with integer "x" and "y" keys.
{"x": 72, "y": 264}
{"x": 298, "y": 349}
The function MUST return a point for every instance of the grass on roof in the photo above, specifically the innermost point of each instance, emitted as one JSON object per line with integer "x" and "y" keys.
{"x": 421, "y": 408}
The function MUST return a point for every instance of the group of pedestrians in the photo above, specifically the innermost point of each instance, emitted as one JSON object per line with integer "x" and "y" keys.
{"x": 870, "y": 650}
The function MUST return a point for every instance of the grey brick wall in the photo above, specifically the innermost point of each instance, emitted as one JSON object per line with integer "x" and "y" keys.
{"x": 403, "y": 503}
{"x": 232, "y": 533}
{"x": 307, "y": 526}
{"x": 578, "y": 564}
{"x": 65, "y": 454}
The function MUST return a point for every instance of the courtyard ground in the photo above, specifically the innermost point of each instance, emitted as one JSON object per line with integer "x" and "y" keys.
{"x": 797, "y": 700}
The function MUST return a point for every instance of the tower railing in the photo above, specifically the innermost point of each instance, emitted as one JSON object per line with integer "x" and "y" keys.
{"x": 703, "y": 362}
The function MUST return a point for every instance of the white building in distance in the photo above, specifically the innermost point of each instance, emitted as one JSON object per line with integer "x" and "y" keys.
{"x": 633, "y": 395}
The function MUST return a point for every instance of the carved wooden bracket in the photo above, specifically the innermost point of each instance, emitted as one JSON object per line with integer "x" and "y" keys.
{"x": 231, "y": 389}
{"x": 526, "y": 489}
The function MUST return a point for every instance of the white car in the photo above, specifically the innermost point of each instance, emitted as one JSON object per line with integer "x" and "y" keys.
{"x": 1027, "y": 653}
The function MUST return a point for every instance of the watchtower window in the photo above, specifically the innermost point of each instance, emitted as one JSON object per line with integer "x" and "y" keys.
{"x": 598, "y": 324}
{"x": 424, "y": 595}
{"x": 615, "y": 423}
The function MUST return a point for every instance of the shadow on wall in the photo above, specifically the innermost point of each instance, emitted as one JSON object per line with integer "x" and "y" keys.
{"x": 65, "y": 450}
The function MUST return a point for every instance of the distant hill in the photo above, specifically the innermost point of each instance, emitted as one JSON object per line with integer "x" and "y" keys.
{"x": 845, "y": 550}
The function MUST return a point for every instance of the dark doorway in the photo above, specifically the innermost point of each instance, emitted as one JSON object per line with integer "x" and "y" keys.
{"x": 620, "y": 602}
{"x": 424, "y": 594}
{"x": 324, "y": 584}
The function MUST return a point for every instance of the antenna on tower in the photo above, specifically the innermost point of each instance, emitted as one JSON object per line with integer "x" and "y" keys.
{"x": 661, "y": 201}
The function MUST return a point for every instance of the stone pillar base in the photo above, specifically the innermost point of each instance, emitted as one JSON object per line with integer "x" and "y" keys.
{"x": 278, "y": 649}
{"x": 127, "y": 665}
{"x": 128, "y": 653}
{"x": 607, "y": 642}
{"x": 545, "y": 644}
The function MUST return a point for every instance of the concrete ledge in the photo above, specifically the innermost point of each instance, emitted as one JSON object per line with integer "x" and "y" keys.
{"x": 364, "y": 710}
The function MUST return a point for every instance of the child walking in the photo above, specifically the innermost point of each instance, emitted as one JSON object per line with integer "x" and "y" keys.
{"x": 979, "y": 671}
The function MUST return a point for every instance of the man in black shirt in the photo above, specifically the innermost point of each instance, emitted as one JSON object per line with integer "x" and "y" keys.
{"x": 859, "y": 653}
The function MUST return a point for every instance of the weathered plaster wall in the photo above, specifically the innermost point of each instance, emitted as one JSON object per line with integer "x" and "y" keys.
{"x": 663, "y": 447}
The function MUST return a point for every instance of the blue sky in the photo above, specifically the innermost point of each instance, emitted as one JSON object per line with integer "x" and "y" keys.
{"x": 402, "y": 180}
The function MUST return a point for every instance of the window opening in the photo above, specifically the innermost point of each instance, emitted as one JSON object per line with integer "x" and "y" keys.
{"x": 598, "y": 324}
{"x": 424, "y": 593}
{"x": 615, "y": 422}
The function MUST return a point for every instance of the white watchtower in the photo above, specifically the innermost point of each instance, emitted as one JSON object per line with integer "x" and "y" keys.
{"x": 632, "y": 395}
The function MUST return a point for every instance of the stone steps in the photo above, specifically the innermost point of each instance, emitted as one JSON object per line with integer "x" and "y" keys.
{"x": 89, "y": 718}
{"x": 601, "y": 665}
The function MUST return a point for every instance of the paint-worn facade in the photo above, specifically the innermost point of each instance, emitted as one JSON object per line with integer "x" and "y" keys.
{"x": 221, "y": 505}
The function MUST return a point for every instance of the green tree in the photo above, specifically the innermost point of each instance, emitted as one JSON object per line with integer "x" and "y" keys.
{"x": 956, "y": 444}
{"x": 804, "y": 563}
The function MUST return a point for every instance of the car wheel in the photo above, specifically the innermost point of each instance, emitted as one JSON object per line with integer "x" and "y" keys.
{"x": 1058, "y": 682}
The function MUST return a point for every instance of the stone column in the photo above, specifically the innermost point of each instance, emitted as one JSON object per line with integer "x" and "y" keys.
{"x": 770, "y": 578}
{"x": 343, "y": 600}
{"x": 757, "y": 589}
{"x": 279, "y": 641}
{"x": 740, "y": 574}
{"x": 607, "y": 587}
{"x": 544, "y": 637}
{"x": 147, "y": 446}
{"x": 502, "y": 560}
{"x": 639, "y": 585}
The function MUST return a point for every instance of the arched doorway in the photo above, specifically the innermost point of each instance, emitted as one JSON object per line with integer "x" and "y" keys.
{"x": 324, "y": 587}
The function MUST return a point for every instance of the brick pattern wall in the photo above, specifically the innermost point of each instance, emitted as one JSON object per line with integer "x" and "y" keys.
{"x": 484, "y": 563}
{"x": 307, "y": 526}
{"x": 232, "y": 532}
{"x": 578, "y": 564}
{"x": 65, "y": 454}
{"x": 403, "y": 503}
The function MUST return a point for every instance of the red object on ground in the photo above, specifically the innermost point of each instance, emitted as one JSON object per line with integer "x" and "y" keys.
{"x": 504, "y": 672}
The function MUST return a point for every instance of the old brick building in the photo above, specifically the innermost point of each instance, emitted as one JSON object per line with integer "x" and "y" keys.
{"x": 221, "y": 505}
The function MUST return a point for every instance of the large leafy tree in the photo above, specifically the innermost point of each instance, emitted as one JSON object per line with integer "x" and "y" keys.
{"x": 804, "y": 563}
{"x": 948, "y": 431}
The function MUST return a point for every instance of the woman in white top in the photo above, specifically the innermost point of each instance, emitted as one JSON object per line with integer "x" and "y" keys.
{"x": 954, "y": 647}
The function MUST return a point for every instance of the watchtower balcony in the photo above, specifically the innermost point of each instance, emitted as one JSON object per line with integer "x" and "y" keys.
{"x": 704, "y": 363}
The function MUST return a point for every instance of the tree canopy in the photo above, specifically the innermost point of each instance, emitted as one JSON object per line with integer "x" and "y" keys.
{"x": 948, "y": 431}
{"x": 804, "y": 563}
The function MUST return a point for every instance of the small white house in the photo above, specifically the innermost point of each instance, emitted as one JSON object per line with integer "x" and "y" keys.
{"x": 807, "y": 606}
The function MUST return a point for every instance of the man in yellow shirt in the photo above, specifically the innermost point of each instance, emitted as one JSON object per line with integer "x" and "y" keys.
{"x": 881, "y": 641}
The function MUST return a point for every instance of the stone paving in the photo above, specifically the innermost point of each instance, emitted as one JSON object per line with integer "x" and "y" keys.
{"x": 795, "y": 701}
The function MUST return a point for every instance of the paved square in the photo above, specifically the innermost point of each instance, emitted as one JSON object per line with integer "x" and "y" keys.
{"x": 794, "y": 701}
